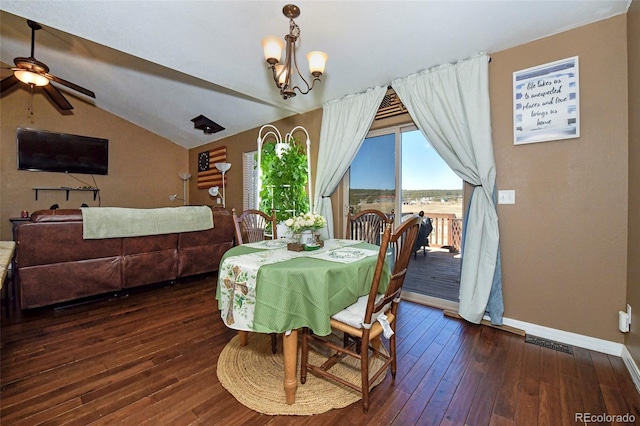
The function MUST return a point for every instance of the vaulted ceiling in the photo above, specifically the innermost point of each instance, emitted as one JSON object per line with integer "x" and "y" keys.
{"x": 158, "y": 64}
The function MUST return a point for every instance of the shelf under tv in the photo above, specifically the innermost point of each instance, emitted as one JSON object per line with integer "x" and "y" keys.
{"x": 67, "y": 189}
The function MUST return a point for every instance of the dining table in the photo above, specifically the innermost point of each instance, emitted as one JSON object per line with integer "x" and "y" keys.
{"x": 264, "y": 287}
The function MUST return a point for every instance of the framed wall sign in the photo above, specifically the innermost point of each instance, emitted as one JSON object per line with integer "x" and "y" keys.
{"x": 546, "y": 102}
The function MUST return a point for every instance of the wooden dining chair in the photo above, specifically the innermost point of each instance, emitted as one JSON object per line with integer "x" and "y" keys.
{"x": 366, "y": 320}
{"x": 252, "y": 226}
{"x": 367, "y": 225}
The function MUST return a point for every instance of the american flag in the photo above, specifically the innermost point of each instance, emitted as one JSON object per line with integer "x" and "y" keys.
{"x": 208, "y": 175}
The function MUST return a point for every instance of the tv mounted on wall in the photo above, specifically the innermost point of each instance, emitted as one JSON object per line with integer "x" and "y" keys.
{"x": 44, "y": 151}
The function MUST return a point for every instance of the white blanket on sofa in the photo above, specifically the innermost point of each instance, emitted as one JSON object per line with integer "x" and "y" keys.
{"x": 115, "y": 222}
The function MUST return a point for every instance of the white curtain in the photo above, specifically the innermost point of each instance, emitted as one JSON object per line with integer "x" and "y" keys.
{"x": 345, "y": 123}
{"x": 450, "y": 105}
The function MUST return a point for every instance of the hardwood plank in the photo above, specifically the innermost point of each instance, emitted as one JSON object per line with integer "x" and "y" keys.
{"x": 627, "y": 387}
{"x": 506, "y": 399}
{"x": 434, "y": 412}
{"x": 592, "y": 398}
{"x": 151, "y": 358}
{"x": 494, "y": 356}
{"x": 463, "y": 397}
{"x": 416, "y": 404}
{"x": 549, "y": 400}
{"x": 528, "y": 392}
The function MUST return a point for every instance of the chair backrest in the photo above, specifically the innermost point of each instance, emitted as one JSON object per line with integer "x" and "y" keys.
{"x": 252, "y": 225}
{"x": 368, "y": 225}
{"x": 397, "y": 248}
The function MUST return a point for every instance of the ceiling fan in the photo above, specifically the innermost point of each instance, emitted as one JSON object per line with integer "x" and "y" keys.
{"x": 36, "y": 74}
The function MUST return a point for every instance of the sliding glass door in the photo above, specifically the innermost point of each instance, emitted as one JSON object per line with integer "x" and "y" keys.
{"x": 373, "y": 175}
{"x": 400, "y": 157}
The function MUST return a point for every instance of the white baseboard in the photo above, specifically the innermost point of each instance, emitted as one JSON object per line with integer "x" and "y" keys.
{"x": 566, "y": 337}
{"x": 582, "y": 341}
{"x": 632, "y": 367}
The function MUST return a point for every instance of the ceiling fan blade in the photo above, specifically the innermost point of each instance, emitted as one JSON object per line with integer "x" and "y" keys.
{"x": 71, "y": 85}
{"x": 8, "y": 82}
{"x": 57, "y": 97}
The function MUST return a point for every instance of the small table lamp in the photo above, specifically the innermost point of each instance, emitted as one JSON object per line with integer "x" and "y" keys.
{"x": 214, "y": 191}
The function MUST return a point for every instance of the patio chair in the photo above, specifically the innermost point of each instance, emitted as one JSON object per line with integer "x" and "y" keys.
{"x": 252, "y": 226}
{"x": 422, "y": 242}
{"x": 367, "y": 319}
{"x": 368, "y": 225}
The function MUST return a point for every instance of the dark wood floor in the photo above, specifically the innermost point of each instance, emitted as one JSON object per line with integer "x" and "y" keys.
{"x": 435, "y": 275}
{"x": 150, "y": 358}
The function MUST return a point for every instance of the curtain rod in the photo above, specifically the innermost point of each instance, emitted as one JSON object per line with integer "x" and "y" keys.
{"x": 389, "y": 86}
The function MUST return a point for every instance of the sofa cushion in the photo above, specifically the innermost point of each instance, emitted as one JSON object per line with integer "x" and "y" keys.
{"x": 55, "y": 242}
{"x": 58, "y": 215}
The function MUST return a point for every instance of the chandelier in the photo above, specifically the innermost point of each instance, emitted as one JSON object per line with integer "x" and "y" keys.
{"x": 282, "y": 72}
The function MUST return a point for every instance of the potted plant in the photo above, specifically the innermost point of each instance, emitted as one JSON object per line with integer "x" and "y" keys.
{"x": 284, "y": 180}
{"x": 306, "y": 225}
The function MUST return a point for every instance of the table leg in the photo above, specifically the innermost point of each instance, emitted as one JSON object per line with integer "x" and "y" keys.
{"x": 243, "y": 336}
{"x": 290, "y": 355}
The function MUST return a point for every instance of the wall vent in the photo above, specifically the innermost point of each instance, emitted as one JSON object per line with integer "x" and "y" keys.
{"x": 390, "y": 106}
{"x": 545, "y": 343}
{"x": 206, "y": 125}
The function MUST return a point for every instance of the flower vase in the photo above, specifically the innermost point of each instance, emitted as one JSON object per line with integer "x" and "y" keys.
{"x": 306, "y": 237}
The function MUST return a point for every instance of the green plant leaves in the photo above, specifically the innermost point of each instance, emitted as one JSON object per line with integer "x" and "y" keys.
{"x": 284, "y": 181}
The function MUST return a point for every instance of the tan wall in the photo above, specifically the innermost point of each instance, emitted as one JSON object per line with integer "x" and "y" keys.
{"x": 246, "y": 142}
{"x": 632, "y": 340}
{"x": 143, "y": 167}
{"x": 564, "y": 242}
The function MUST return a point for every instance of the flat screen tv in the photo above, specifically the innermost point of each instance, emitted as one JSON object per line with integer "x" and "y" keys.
{"x": 44, "y": 151}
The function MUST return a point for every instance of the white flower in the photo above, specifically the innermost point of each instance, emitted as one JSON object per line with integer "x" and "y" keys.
{"x": 306, "y": 221}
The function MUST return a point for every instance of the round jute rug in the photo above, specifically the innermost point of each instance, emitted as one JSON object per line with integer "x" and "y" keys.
{"x": 254, "y": 376}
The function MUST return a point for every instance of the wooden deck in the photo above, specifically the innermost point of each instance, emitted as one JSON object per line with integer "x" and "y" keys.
{"x": 435, "y": 275}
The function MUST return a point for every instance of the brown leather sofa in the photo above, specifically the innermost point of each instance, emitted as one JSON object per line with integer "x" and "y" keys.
{"x": 55, "y": 264}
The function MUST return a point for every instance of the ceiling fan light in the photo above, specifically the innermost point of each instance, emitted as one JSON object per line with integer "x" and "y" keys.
{"x": 272, "y": 47}
{"x": 29, "y": 77}
{"x": 317, "y": 61}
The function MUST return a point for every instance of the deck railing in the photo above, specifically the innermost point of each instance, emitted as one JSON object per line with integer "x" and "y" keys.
{"x": 447, "y": 230}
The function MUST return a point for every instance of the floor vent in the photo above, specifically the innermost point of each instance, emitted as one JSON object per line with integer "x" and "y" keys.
{"x": 545, "y": 343}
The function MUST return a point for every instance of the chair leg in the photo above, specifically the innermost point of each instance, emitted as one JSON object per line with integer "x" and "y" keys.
{"x": 376, "y": 342}
{"x": 364, "y": 369}
{"x": 304, "y": 356}
{"x": 274, "y": 343}
{"x": 392, "y": 354}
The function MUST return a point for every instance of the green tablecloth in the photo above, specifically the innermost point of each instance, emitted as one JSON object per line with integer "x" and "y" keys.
{"x": 305, "y": 292}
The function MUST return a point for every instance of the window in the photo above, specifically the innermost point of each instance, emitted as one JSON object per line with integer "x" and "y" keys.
{"x": 249, "y": 180}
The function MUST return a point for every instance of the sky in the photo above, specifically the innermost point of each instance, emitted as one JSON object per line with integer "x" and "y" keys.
{"x": 374, "y": 165}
